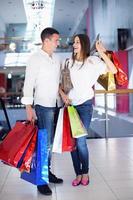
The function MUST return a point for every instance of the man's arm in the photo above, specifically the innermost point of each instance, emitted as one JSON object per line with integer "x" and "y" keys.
{"x": 28, "y": 90}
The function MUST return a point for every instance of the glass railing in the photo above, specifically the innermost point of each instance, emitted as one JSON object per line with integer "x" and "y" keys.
{"x": 21, "y": 45}
{"x": 112, "y": 115}
{"x": 12, "y": 99}
{"x": 5, "y": 125}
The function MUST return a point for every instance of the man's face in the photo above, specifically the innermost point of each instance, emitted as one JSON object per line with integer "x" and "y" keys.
{"x": 53, "y": 42}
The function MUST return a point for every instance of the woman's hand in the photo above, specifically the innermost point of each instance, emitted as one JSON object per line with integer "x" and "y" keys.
{"x": 64, "y": 97}
{"x": 102, "y": 52}
{"x": 100, "y": 47}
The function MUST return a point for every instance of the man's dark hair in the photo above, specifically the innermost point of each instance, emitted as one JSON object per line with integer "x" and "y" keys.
{"x": 48, "y": 32}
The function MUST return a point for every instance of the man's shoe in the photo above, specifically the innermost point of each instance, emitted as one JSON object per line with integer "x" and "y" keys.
{"x": 54, "y": 179}
{"x": 44, "y": 189}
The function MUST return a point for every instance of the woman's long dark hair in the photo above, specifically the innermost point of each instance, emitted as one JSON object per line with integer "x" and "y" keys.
{"x": 85, "y": 47}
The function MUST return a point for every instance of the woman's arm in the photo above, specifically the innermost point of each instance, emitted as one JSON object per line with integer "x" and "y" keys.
{"x": 102, "y": 52}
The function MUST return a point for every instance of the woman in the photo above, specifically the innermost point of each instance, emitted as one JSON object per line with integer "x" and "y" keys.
{"x": 84, "y": 71}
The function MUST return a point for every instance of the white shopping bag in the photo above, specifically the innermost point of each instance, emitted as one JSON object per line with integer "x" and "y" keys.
{"x": 57, "y": 144}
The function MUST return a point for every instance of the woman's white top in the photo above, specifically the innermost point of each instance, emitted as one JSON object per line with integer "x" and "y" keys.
{"x": 83, "y": 78}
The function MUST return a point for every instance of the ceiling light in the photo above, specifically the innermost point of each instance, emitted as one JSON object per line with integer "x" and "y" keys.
{"x": 9, "y": 76}
{"x": 9, "y": 2}
{"x": 39, "y": 15}
{"x": 38, "y": 4}
{"x": 12, "y": 46}
{"x": 71, "y": 2}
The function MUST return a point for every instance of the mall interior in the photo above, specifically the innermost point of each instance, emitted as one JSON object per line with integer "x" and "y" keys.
{"x": 110, "y": 137}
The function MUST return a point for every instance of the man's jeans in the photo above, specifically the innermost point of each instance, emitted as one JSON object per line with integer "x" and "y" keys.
{"x": 80, "y": 156}
{"x": 45, "y": 120}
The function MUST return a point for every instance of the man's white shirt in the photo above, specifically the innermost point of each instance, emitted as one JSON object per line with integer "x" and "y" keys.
{"x": 41, "y": 80}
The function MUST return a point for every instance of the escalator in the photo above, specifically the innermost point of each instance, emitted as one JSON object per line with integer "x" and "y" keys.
{"x": 5, "y": 125}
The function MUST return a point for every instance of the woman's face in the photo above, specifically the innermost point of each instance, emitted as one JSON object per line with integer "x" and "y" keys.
{"x": 77, "y": 45}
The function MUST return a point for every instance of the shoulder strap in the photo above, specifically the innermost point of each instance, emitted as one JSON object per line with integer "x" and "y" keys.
{"x": 66, "y": 63}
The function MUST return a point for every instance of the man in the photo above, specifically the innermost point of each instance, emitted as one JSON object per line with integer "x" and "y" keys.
{"x": 41, "y": 86}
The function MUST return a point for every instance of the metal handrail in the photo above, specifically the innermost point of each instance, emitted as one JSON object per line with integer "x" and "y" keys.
{"x": 105, "y": 92}
{"x": 117, "y": 91}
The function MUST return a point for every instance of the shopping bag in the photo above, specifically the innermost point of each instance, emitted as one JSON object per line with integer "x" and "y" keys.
{"x": 107, "y": 81}
{"x": 39, "y": 166}
{"x": 77, "y": 127}
{"x": 68, "y": 142}
{"x": 27, "y": 158}
{"x": 15, "y": 143}
{"x": 120, "y": 77}
{"x": 57, "y": 144}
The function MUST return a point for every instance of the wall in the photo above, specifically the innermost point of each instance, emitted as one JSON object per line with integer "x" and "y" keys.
{"x": 107, "y": 16}
{"x": 2, "y": 28}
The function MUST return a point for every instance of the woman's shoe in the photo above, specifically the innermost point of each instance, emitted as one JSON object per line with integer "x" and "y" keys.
{"x": 85, "y": 181}
{"x": 76, "y": 182}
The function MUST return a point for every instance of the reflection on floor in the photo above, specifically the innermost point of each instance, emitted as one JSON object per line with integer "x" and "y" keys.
{"x": 111, "y": 175}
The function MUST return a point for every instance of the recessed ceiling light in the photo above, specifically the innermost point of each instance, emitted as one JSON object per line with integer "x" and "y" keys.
{"x": 71, "y": 1}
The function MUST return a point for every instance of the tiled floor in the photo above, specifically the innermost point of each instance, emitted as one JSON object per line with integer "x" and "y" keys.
{"x": 111, "y": 175}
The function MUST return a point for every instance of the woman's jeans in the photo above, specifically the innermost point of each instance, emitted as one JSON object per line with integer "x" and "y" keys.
{"x": 80, "y": 156}
{"x": 45, "y": 120}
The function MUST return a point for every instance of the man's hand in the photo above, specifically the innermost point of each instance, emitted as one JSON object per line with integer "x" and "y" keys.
{"x": 30, "y": 114}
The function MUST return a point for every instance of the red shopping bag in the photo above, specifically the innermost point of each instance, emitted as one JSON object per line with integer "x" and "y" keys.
{"x": 120, "y": 77}
{"x": 68, "y": 143}
{"x": 26, "y": 161}
{"x": 17, "y": 140}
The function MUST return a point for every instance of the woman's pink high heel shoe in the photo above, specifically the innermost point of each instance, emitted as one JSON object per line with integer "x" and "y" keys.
{"x": 76, "y": 182}
{"x": 85, "y": 181}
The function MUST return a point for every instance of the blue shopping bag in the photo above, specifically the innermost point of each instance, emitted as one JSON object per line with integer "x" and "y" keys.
{"x": 39, "y": 165}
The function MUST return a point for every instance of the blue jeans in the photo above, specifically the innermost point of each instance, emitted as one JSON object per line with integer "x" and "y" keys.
{"x": 45, "y": 119}
{"x": 80, "y": 156}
